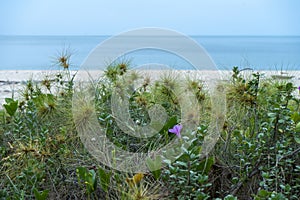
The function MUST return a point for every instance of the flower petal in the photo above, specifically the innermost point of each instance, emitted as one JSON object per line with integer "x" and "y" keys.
{"x": 179, "y": 127}
{"x": 176, "y": 130}
{"x": 173, "y": 130}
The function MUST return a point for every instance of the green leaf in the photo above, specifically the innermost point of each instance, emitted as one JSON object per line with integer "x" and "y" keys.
{"x": 263, "y": 193}
{"x": 155, "y": 166}
{"x": 297, "y": 134}
{"x": 277, "y": 196}
{"x": 297, "y": 129}
{"x": 296, "y": 117}
{"x": 40, "y": 195}
{"x": 289, "y": 86}
{"x": 184, "y": 158}
{"x": 169, "y": 124}
{"x": 168, "y": 162}
{"x": 230, "y": 197}
{"x": 183, "y": 164}
{"x": 9, "y": 100}
{"x": 297, "y": 138}
{"x": 81, "y": 173}
{"x": 11, "y": 106}
{"x": 205, "y": 165}
{"x": 272, "y": 115}
{"x": 104, "y": 179}
{"x": 91, "y": 181}
{"x": 89, "y": 178}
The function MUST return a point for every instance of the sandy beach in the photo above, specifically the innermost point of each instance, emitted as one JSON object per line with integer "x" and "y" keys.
{"x": 12, "y": 81}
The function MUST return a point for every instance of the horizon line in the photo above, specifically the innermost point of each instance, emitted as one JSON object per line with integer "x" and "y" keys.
{"x": 191, "y": 35}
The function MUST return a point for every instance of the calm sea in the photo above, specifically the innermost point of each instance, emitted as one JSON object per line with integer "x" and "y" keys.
{"x": 257, "y": 52}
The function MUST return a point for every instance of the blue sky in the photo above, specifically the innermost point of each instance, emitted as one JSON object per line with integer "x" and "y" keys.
{"x": 192, "y": 17}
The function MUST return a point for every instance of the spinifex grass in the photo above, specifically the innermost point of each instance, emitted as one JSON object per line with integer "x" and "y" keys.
{"x": 257, "y": 155}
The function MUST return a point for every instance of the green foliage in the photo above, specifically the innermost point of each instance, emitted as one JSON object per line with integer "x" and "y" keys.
{"x": 257, "y": 155}
{"x": 40, "y": 195}
{"x": 10, "y": 106}
{"x": 140, "y": 101}
{"x": 36, "y": 141}
{"x": 104, "y": 179}
{"x": 259, "y": 139}
{"x": 155, "y": 166}
{"x": 88, "y": 178}
{"x": 187, "y": 177}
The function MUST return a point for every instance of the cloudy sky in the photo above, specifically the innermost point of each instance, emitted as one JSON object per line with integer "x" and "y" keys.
{"x": 192, "y": 17}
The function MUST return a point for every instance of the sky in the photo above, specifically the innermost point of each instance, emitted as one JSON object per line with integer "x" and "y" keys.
{"x": 109, "y": 17}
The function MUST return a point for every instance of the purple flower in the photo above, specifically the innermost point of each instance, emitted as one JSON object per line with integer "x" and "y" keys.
{"x": 299, "y": 88}
{"x": 176, "y": 130}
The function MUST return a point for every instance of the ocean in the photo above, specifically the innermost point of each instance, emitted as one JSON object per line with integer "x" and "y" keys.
{"x": 255, "y": 52}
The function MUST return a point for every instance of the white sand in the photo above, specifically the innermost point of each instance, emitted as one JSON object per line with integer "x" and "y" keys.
{"x": 11, "y": 82}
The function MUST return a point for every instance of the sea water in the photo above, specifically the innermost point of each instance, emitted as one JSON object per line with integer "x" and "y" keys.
{"x": 255, "y": 52}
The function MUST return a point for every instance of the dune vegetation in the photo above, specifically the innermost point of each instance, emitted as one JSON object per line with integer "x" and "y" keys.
{"x": 256, "y": 156}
